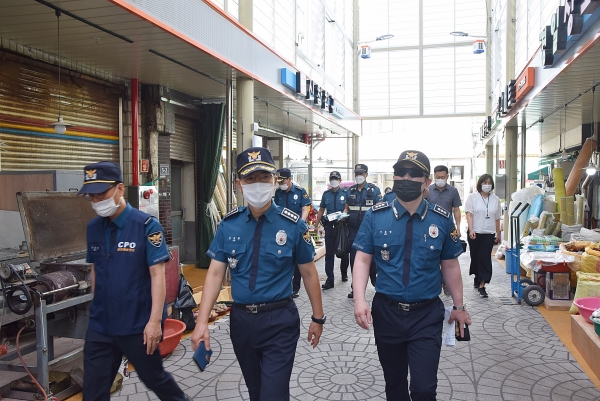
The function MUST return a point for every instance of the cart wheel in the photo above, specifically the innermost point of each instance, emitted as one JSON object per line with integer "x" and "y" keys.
{"x": 526, "y": 282}
{"x": 533, "y": 295}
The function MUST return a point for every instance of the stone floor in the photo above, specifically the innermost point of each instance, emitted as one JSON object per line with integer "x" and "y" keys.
{"x": 513, "y": 355}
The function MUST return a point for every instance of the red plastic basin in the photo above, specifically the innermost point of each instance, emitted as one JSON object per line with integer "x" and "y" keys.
{"x": 587, "y": 306}
{"x": 171, "y": 336}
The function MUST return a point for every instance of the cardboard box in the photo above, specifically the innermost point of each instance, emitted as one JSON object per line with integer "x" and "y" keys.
{"x": 558, "y": 285}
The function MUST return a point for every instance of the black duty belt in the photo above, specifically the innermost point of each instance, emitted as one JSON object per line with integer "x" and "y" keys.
{"x": 264, "y": 307}
{"x": 406, "y": 306}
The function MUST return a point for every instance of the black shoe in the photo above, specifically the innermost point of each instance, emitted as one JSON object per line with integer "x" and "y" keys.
{"x": 351, "y": 295}
{"x": 345, "y": 278}
{"x": 327, "y": 286}
{"x": 483, "y": 293}
{"x": 187, "y": 397}
{"x": 295, "y": 294}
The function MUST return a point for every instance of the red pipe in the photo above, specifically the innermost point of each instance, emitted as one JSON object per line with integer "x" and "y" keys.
{"x": 134, "y": 133}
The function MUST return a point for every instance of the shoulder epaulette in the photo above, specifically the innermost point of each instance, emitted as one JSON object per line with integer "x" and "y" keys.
{"x": 353, "y": 187}
{"x": 299, "y": 187}
{"x": 288, "y": 214}
{"x": 379, "y": 206}
{"x": 149, "y": 219}
{"x": 440, "y": 210}
{"x": 231, "y": 212}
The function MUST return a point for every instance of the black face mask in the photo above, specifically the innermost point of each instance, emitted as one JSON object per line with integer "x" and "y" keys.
{"x": 407, "y": 190}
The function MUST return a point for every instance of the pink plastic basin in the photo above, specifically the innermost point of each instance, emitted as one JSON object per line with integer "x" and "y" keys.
{"x": 172, "y": 335}
{"x": 587, "y": 306}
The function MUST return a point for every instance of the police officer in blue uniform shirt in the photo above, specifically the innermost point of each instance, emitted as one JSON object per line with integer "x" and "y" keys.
{"x": 261, "y": 244}
{"x": 333, "y": 200}
{"x": 361, "y": 197}
{"x": 408, "y": 239}
{"x": 128, "y": 252}
{"x": 295, "y": 198}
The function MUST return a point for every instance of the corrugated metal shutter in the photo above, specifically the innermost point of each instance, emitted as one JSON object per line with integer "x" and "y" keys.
{"x": 183, "y": 140}
{"x": 29, "y": 101}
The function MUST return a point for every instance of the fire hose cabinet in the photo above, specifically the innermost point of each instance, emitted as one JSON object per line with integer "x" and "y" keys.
{"x": 144, "y": 198}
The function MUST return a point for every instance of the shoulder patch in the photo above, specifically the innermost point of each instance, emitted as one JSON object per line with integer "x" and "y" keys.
{"x": 288, "y": 214}
{"x": 306, "y": 237}
{"x": 232, "y": 212}
{"x": 454, "y": 235}
{"x": 440, "y": 210}
{"x": 379, "y": 206}
{"x": 155, "y": 238}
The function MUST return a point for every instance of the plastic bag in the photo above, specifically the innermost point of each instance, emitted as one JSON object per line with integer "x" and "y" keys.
{"x": 586, "y": 235}
{"x": 527, "y": 194}
{"x": 185, "y": 296}
{"x": 536, "y": 206}
{"x": 568, "y": 231}
{"x": 342, "y": 245}
{"x": 588, "y": 285}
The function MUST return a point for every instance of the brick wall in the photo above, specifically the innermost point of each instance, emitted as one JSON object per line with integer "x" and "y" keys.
{"x": 164, "y": 187}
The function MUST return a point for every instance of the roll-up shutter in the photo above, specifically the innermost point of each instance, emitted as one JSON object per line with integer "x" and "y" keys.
{"x": 182, "y": 141}
{"x": 29, "y": 101}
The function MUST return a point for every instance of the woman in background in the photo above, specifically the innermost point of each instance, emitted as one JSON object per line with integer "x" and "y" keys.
{"x": 483, "y": 217}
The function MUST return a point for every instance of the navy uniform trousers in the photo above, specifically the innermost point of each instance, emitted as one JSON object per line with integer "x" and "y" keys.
{"x": 408, "y": 339}
{"x": 352, "y": 231}
{"x": 265, "y": 346}
{"x": 330, "y": 255}
{"x": 102, "y": 358}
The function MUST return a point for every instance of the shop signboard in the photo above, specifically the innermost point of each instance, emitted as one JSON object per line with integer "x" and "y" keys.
{"x": 525, "y": 82}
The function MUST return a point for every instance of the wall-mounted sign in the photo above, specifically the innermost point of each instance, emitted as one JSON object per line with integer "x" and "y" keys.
{"x": 288, "y": 79}
{"x": 525, "y": 82}
{"x": 145, "y": 165}
{"x": 300, "y": 83}
{"x": 567, "y": 25}
{"x": 337, "y": 111}
{"x": 165, "y": 170}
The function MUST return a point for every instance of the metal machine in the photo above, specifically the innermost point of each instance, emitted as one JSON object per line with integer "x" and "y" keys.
{"x": 144, "y": 198}
{"x": 51, "y": 290}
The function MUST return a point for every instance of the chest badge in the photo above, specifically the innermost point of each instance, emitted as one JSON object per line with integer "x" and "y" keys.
{"x": 433, "y": 231}
{"x": 342, "y": 197}
{"x": 369, "y": 202}
{"x": 281, "y": 237}
{"x": 295, "y": 196}
{"x": 385, "y": 253}
{"x": 232, "y": 262}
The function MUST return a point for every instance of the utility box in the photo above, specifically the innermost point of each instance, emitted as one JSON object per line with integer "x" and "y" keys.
{"x": 144, "y": 198}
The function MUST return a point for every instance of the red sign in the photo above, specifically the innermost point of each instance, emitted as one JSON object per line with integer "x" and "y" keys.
{"x": 145, "y": 165}
{"x": 525, "y": 82}
{"x": 501, "y": 164}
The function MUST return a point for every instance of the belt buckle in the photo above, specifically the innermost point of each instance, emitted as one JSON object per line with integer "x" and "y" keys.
{"x": 403, "y": 306}
{"x": 252, "y": 308}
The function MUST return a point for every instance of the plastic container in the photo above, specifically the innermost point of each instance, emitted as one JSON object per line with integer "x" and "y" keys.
{"x": 172, "y": 335}
{"x": 587, "y": 306}
{"x": 596, "y": 322}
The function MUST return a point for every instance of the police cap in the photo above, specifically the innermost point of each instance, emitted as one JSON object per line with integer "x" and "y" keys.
{"x": 361, "y": 168}
{"x": 335, "y": 174}
{"x": 413, "y": 157}
{"x": 99, "y": 177}
{"x": 255, "y": 159}
{"x": 283, "y": 173}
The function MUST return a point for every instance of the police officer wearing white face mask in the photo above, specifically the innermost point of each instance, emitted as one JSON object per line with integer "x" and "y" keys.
{"x": 295, "y": 198}
{"x": 128, "y": 252}
{"x": 261, "y": 244}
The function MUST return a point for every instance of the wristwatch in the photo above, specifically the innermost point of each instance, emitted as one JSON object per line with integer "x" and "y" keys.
{"x": 319, "y": 321}
{"x": 461, "y": 307}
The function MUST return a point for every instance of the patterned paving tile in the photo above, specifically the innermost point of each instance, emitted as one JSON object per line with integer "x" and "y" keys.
{"x": 513, "y": 355}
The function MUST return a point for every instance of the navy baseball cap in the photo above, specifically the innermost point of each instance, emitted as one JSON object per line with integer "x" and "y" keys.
{"x": 335, "y": 174}
{"x": 255, "y": 159}
{"x": 361, "y": 168}
{"x": 414, "y": 157}
{"x": 283, "y": 173}
{"x": 99, "y": 177}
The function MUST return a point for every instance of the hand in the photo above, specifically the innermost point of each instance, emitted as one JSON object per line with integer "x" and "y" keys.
{"x": 472, "y": 234}
{"x": 201, "y": 334}
{"x": 314, "y": 333}
{"x": 152, "y": 336}
{"x": 498, "y": 236}
{"x": 362, "y": 314}
{"x": 458, "y": 232}
{"x": 463, "y": 317}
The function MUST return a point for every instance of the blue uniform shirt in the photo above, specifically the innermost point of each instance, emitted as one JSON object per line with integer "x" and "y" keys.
{"x": 122, "y": 294}
{"x": 284, "y": 241}
{"x": 334, "y": 201}
{"x": 294, "y": 199}
{"x": 389, "y": 197}
{"x": 411, "y": 272}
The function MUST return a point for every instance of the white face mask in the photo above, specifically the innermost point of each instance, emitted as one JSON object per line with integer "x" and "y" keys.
{"x": 106, "y": 207}
{"x": 440, "y": 183}
{"x": 283, "y": 187}
{"x": 334, "y": 183}
{"x": 486, "y": 188}
{"x": 360, "y": 179}
{"x": 258, "y": 194}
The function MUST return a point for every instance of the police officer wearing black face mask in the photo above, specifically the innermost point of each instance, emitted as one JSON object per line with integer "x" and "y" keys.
{"x": 408, "y": 239}
{"x": 362, "y": 196}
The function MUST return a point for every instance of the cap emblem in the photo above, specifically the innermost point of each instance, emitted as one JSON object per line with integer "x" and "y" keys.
{"x": 254, "y": 156}
{"x": 411, "y": 155}
{"x": 90, "y": 174}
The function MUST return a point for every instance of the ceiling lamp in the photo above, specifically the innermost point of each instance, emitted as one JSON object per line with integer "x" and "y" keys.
{"x": 60, "y": 126}
{"x": 306, "y": 159}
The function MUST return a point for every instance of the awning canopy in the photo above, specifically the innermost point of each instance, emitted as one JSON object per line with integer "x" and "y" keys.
{"x": 536, "y": 174}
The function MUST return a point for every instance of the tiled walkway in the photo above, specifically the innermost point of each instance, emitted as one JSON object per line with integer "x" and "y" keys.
{"x": 513, "y": 355}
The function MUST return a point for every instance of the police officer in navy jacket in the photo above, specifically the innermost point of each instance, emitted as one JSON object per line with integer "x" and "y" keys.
{"x": 127, "y": 250}
{"x": 408, "y": 238}
{"x": 295, "y": 198}
{"x": 261, "y": 244}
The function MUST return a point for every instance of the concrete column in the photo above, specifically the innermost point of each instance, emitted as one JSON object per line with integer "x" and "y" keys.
{"x": 511, "y": 140}
{"x": 489, "y": 160}
{"x": 244, "y": 94}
